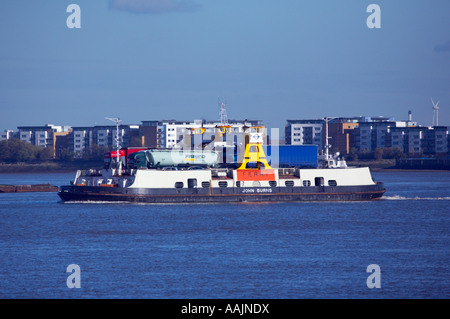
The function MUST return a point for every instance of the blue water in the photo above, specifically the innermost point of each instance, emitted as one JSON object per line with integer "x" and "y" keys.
{"x": 278, "y": 250}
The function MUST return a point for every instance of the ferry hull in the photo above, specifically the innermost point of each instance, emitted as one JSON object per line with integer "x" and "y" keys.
{"x": 209, "y": 195}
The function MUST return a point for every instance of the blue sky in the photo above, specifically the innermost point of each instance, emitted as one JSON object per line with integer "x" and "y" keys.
{"x": 172, "y": 59}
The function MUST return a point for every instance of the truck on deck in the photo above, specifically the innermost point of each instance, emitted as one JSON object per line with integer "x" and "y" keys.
{"x": 284, "y": 156}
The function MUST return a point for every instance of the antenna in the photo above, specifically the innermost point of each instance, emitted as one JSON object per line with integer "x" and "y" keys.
{"x": 435, "y": 112}
{"x": 117, "y": 121}
{"x": 223, "y": 118}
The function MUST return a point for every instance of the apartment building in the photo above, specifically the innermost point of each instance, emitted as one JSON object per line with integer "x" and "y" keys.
{"x": 103, "y": 135}
{"x": 341, "y": 133}
{"x": 305, "y": 132}
{"x": 196, "y": 134}
{"x": 40, "y": 135}
{"x": 7, "y": 134}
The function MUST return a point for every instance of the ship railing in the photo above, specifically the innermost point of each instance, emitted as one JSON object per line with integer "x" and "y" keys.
{"x": 90, "y": 172}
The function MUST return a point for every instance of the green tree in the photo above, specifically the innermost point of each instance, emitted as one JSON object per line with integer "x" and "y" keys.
{"x": 46, "y": 154}
{"x": 14, "y": 150}
{"x": 398, "y": 153}
{"x": 94, "y": 153}
{"x": 378, "y": 154}
{"x": 65, "y": 155}
{"x": 354, "y": 154}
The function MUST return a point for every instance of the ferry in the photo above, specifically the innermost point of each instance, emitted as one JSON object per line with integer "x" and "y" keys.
{"x": 192, "y": 176}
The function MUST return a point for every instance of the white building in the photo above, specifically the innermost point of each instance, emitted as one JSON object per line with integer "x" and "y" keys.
{"x": 6, "y": 135}
{"x": 305, "y": 132}
{"x": 82, "y": 137}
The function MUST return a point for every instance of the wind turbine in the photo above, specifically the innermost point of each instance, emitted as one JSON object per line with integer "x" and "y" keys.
{"x": 435, "y": 112}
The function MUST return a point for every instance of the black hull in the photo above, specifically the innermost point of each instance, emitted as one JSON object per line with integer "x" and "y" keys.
{"x": 225, "y": 195}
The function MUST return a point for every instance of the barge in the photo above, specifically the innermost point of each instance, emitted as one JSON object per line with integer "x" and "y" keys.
{"x": 28, "y": 188}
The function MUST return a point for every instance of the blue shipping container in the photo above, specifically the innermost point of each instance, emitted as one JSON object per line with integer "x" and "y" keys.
{"x": 291, "y": 155}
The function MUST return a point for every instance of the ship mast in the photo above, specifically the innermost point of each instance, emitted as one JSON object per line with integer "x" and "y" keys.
{"x": 118, "y": 162}
{"x": 327, "y": 145}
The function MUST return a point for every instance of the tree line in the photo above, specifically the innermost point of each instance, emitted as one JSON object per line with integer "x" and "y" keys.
{"x": 17, "y": 151}
{"x": 376, "y": 154}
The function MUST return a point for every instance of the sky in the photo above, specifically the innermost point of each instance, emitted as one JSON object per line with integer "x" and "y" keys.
{"x": 270, "y": 60}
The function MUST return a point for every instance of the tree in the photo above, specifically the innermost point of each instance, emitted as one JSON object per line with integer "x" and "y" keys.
{"x": 94, "y": 153}
{"x": 378, "y": 154}
{"x": 46, "y": 154}
{"x": 398, "y": 153}
{"x": 14, "y": 150}
{"x": 65, "y": 155}
{"x": 354, "y": 154}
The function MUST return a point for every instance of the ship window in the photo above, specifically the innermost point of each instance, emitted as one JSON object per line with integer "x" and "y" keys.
{"x": 205, "y": 184}
{"x": 332, "y": 182}
{"x": 319, "y": 181}
{"x": 272, "y": 183}
{"x": 256, "y": 184}
{"x": 223, "y": 184}
{"x": 192, "y": 182}
{"x": 179, "y": 185}
{"x": 238, "y": 184}
{"x": 306, "y": 183}
{"x": 289, "y": 183}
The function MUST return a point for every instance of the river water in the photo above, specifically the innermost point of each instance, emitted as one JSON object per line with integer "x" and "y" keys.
{"x": 275, "y": 250}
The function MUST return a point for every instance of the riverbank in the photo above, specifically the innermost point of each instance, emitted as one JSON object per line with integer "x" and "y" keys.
{"x": 374, "y": 165}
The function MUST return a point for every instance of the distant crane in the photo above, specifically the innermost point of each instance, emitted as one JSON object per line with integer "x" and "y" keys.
{"x": 435, "y": 112}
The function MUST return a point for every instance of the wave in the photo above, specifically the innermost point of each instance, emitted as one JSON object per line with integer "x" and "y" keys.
{"x": 398, "y": 197}
{"x": 95, "y": 202}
